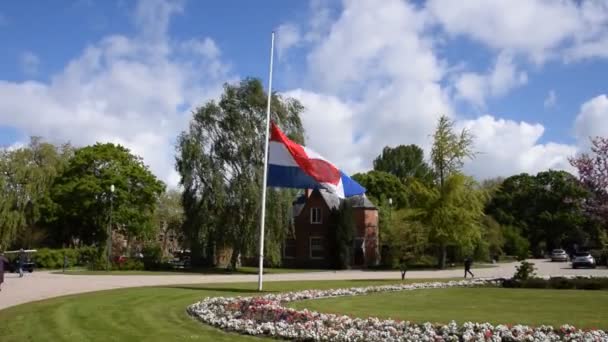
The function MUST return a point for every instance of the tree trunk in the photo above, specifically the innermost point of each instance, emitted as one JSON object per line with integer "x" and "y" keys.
{"x": 443, "y": 253}
{"x": 234, "y": 258}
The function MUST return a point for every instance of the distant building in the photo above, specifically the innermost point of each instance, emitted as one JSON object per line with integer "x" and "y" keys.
{"x": 313, "y": 244}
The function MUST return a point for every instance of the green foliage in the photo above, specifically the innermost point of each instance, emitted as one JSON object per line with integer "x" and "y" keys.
{"x": 450, "y": 149}
{"x": 525, "y": 271}
{"x": 129, "y": 265}
{"x": 221, "y": 163}
{"x": 407, "y": 239}
{"x": 515, "y": 244}
{"x": 559, "y": 283}
{"x": 452, "y": 214}
{"x": 404, "y": 162}
{"x": 548, "y": 207}
{"x": 26, "y": 175}
{"x": 344, "y": 234}
{"x": 153, "y": 256}
{"x": 381, "y": 186}
{"x": 54, "y": 258}
{"x": 83, "y": 194}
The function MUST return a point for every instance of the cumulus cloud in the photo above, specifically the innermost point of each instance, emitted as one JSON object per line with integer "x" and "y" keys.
{"x": 288, "y": 36}
{"x": 136, "y": 91}
{"x": 592, "y": 119}
{"x": 393, "y": 87}
{"x": 506, "y": 147}
{"x": 573, "y": 27}
{"x": 29, "y": 63}
{"x": 504, "y": 76}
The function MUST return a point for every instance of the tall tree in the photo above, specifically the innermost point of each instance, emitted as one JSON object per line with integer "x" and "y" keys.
{"x": 593, "y": 172}
{"x": 169, "y": 216}
{"x": 381, "y": 186}
{"x": 547, "y": 208}
{"x": 83, "y": 194}
{"x": 26, "y": 175}
{"x": 405, "y": 162}
{"x": 449, "y": 151}
{"x": 452, "y": 213}
{"x": 220, "y": 161}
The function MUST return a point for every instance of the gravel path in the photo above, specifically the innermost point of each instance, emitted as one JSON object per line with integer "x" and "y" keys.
{"x": 43, "y": 285}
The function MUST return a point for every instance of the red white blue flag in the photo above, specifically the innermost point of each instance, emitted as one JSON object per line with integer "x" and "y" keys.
{"x": 291, "y": 165}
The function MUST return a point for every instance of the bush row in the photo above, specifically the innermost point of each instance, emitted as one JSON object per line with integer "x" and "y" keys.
{"x": 54, "y": 258}
{"x": 561, "y": 283}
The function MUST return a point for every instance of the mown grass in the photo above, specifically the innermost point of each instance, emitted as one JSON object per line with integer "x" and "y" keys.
{"x": 216, "y": 270}
{"x": 584, "y": 309}
{"x": 136, "y": 314}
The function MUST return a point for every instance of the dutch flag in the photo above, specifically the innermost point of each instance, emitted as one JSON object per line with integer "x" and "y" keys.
{"x": 291, "y": 165}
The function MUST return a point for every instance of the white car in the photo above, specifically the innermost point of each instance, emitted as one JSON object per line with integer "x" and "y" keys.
{"x": 583, "y": 259}
{"x": 559, "y": 255}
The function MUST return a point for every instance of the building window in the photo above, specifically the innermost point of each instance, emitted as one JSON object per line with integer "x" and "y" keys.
{"x": 289, "y": 249}
{"x": 315, "y": 215}
{"x": 317, "y": 248}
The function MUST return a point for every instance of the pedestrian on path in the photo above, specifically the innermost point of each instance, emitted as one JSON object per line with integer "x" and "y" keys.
{"x": 403, "y": 267}
{"x": 21, "y": 262}
{"x": 467, "y": 267}
{"x": 3, "y": 262}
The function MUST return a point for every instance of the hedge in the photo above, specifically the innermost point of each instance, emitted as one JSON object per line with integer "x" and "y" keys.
{"x": 53, "y": 258}
{"x": 559, "y": 283}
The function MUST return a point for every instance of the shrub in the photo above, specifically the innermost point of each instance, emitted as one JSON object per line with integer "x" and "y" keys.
{"x": 524, "y": 271}
{"x": 129, "y": 265}
{"x": 153, "y": 256}
{"x": 559, "y": 283}
{"x": 54, "y": 258}
{"x": 515, "y": 243}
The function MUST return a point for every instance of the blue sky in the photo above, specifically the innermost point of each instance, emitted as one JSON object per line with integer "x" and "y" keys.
{"x": 369, "y": 73}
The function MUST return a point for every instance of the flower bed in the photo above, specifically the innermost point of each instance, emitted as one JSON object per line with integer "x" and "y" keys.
{"x": 266, "y": 316}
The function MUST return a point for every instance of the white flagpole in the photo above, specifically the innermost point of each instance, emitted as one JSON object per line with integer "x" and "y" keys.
{"x": 263, "y": 215}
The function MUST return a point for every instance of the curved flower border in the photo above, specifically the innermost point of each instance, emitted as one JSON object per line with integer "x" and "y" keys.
{"x": 266, "y": 316}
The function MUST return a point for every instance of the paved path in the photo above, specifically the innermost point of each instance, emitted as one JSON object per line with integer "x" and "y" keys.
{"x": 42, "y": 285}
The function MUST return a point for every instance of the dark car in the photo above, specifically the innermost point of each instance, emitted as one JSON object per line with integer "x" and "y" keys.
{"x": 13, "y": 266}
{"x": 583, "y": 259}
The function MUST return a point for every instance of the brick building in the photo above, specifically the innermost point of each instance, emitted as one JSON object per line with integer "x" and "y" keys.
{"x": 313, "y": 244}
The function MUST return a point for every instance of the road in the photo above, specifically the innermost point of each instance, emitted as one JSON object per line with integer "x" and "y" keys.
{"x": 44, "y": 284}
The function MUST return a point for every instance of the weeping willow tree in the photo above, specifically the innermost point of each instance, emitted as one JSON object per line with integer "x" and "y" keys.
{"x": 220, "y": 162}
{"x": 26, "y": 177}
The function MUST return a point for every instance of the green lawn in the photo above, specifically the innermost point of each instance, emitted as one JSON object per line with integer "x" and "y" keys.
{"x": 240, "y": 270}
{"x": 584, "y": 309}
{"x": 150, "y": 313}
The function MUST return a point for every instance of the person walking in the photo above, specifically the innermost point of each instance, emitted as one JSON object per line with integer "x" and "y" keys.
{"x": 403, "y": 267}
{"x": 467, "y": 267}
{"x": 21, "y": 262}
{"x": 3, "y": 263}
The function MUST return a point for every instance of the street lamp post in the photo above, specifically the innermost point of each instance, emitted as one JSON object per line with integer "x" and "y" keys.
{"x": 110, "y": 227}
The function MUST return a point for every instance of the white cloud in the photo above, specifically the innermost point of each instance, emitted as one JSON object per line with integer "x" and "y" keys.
{"x": 29, "y": 63}
{"x": 506, "y": 147}
{"x": 287, "y": 36}
{"x": 503, "y": 77}
{"x": 538, "y": 29}
{"x": 592, "y": 120}
{"x": 550, "y": 100}
{"x": 136, "y": 91}
{"x": 376, "y": 85}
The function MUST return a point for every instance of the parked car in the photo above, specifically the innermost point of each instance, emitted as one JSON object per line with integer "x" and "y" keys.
{"x": 559, "y": 255}
{"x": 583, "y": 259}
{"x": 13, "y": 265}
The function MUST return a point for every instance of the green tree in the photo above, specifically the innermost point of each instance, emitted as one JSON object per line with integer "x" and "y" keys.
{"x": 26, "y": 176}
{"x": 452, "y": 213}
{"x": 220, "y": 160}
{"x": 344, "y": 234}
{"x": 404, "y": 162}
{"x": 548, "y": 208}
{"x": 381, "y": 186}
{"x": 448, "y": 153}
{"x": 169, "y": 216}
{"x": 449, "y": 149}
{"x": 82, "y": 194}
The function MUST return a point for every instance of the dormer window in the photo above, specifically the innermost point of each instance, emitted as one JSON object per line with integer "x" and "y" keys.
{"x": 315, "y": 215}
